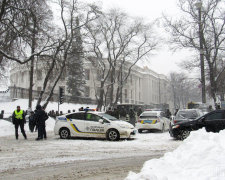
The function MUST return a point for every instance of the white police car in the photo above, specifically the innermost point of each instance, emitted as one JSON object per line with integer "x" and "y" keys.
{"x": 92, "y": 124}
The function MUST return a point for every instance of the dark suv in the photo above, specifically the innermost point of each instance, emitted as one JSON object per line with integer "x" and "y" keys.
{"x": 213, "y": 122}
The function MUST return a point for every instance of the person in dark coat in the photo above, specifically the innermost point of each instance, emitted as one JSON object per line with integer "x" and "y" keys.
{"x": 168, "y": 113}
{"x": 40, "y": 117}
{"x": 18, "y": 119}
{"x": 32, "y": 122}
{"x": 46, "y": 115}
{"x": 132, "y": 116}
{"x": 139, "y": 111}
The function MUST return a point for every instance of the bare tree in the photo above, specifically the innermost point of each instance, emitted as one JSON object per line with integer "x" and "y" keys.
{"x": 63, "y": 46}
{"x": 185, "y": 33}
{"x": 27, "y": 22}
{"x": 183, "y": 90}
{"x": 17, "y": 19}
{"x": 117, "y": 40}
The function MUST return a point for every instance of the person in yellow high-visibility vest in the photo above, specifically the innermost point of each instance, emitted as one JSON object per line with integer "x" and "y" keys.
{"x": 18, "y": 119}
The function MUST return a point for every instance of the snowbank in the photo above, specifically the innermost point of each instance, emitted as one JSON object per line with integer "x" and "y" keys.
{"x": 6, "y": 128}
{"x": 200, "y": 157}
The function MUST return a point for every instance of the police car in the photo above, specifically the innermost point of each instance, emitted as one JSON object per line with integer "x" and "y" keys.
{"x": 155, "y": 120}
{"x": 92, "y": 124}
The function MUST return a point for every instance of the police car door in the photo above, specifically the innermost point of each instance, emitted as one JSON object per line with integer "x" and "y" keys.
{"x": 93, "y": 127}
{"x": 77, "y": 123}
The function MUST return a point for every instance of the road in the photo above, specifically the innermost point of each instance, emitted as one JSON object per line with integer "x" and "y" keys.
{"x": 110, "y": 169}
{"x": 84, "y": 159}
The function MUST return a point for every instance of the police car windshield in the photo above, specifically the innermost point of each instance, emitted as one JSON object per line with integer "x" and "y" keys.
{"x": 111, "y": 118}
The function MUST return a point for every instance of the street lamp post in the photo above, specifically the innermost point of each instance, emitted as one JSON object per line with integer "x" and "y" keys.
{"x": 199, "y": 7}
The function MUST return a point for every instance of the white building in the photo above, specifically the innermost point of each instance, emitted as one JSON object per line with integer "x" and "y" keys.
{"x": 143, "y": 86}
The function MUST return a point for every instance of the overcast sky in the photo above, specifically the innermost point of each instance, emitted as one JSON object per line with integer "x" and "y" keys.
{"x": 165, "y": 60}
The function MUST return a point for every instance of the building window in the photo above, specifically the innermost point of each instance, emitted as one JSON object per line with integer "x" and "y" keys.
{"x": 87, "y": 74}
{"x": 22, "y": 77}
{"x": 99, "y": 75}
{"x": 125, "y": 93}
{"x": 87, "y": 91}
{"x": 39, "y": 74}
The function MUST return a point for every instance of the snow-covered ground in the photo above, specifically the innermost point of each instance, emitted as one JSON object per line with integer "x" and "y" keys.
{"x": 29, "y": 153}
{"x": 200, "y": 157}
{"x": 22, "y": 154}
{"x": 9, "y": 107}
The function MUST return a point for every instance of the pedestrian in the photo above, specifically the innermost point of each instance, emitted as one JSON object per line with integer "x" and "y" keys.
{"x": 132, "y": 116}
{"x": 116, "y": 113}
{"x": 210, "y": 109}
{"x": 168, "y": 113}
{"x": 32, "y": 122}
{"x": 86, "y": 109}
{"x": 139, "y": 111}
{"x": 40, "y": 117}
{"x": 81, "y": 109}
{"x": 176, "y": 112}
{"x": 18, "y": 119}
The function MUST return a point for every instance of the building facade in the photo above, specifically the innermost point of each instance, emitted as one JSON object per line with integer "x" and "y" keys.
{"x": 143, "y": 86}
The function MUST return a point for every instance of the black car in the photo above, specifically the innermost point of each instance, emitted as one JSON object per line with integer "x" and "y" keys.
{"x": 213, "y": 122}
{"x": 184, "y": 115}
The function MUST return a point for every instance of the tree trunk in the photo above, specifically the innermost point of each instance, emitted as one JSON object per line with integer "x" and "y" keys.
{"x": 33, "y": 46}
{"x": 112, "y": 86}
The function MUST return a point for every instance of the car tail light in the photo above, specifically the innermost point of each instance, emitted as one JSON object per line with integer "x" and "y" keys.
{"x": 175, "y": 121}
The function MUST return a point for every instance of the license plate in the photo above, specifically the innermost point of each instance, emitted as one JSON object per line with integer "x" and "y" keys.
{"x": 147, "y": 121}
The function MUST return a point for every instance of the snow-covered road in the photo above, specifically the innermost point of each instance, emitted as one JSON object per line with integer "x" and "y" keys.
{"x": 25, "y": 154}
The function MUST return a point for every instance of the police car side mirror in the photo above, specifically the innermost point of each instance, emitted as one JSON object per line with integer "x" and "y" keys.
{"x": 100, "y": 121}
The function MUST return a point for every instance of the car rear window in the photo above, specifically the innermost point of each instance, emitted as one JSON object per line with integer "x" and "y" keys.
{"x": 148, "y": 115}
{"x": 187, "y": 115}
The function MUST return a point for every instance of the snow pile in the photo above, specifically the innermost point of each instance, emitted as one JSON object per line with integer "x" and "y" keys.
{"x": 200, "y": 157}
{"x": 6, "y": 128}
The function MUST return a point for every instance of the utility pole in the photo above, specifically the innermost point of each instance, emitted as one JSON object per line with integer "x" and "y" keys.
{"x": 199, "y": 7}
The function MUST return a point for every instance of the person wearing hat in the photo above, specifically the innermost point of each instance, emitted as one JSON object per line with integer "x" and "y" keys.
{"x": 18, "y": 119}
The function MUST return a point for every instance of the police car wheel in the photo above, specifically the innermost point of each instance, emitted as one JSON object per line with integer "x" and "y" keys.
{"x": 113, "y": 135}
{"x": 64, "y": 133}
{"x": 163, "y": 129}
{"x": 140, "y": 130}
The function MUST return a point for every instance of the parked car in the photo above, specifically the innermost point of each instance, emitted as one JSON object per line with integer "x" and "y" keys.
{"x": 184, "y": 115}
{"x": 152, "y": 120}
{"x": 92, "y": 124}
{"x": 213, "y": 122}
